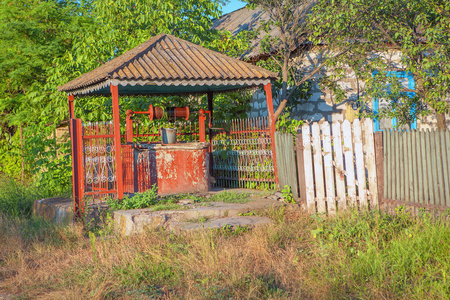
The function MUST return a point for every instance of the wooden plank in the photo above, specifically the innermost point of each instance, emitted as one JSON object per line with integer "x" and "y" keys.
{"x": 388, "y": 166}
{"x": 360, "y": 167}
{"x": 339, "y": 166}
{"x": 300, "y": 167}
{"x": 396, "y": 161}
{"x": 369, "y": 149}
{"x": 291, "y": 167}
{"x": 423, "y": 167}
{"x": 329, "y": 170}
{"x": 439, "y": 169}
{"x": 414, "y": 148}
{"x": 402, "y": 165}
{"x": 408, "y": 167}
{"x": 446, "y": 167}
{"x": 349, "y": 166}
{"x": 429, "y": 168}
{"x": 379, "y": 139}
{"x": 308, "y": 170}
{"x": 318, "y": 168}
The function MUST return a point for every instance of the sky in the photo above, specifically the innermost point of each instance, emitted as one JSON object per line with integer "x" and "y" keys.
{"x": 232, "y": 6}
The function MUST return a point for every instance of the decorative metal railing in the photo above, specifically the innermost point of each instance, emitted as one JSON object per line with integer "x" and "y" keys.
{"x": 99, "y": 171}
{"x": 242, "y": 155}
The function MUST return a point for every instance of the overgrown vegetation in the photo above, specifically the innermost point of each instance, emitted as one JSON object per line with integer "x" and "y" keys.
{"x": 361, "y": 255}
{"x": 150, "y": 199}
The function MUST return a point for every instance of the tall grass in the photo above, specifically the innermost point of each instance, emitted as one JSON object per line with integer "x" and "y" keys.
{"x": 17, "y": 199}
{"x": 356, "y": 255}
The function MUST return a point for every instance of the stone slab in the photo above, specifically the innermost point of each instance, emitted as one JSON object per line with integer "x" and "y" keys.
{"x": 128, "y": 222}
{"x": 233, "y": 223}
{"x": 58, "y": 210}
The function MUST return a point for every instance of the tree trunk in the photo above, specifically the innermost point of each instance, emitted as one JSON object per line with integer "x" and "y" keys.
{"x": 280, "y": 108}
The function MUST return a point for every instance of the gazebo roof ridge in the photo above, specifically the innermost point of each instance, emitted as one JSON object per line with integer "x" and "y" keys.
{"x": 165, "y": 60}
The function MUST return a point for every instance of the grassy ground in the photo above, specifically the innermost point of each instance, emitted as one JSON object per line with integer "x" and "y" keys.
{"x": 355, "y": 255}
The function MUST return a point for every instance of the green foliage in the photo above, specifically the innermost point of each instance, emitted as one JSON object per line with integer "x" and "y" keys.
{"x": 229, "y": 197}
{"x": 287, "y": 124}
{"x": 139, "y": 200}
{"x": 47, "y": 43}
{"x": 17, "y": 199}
{"x": 398, "y": 254}
{"x": 372, "y": 35}
{"x": 287, "y": 194}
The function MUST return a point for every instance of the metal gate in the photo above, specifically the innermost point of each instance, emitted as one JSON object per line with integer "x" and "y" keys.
{"x": 242, "y": 155}
{"x": 94, "y": 163}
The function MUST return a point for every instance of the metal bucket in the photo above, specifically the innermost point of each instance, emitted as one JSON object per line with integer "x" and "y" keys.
{"x": 168, "y": 135}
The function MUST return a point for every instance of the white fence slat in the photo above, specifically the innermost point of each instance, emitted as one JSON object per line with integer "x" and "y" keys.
{"x": 308, "y": 169}
{"x": 349, "y": 166}
{"x": 369, "y": 147}
{"x": 329, "y": 170}
{"x": 318, "y": 168}
{"x": 360, "y": 169}
{"x": 339, "y": 165}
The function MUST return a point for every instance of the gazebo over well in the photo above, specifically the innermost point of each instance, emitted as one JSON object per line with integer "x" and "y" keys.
{"x": 166, "y": 64}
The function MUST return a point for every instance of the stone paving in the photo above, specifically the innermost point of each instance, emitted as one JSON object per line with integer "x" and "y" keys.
{"x": 193, "y": 216}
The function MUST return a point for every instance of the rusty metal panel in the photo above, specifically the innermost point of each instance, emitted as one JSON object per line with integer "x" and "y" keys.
{"x": 242, "y": 155}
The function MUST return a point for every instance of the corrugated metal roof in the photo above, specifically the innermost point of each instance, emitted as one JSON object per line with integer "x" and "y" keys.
{"x": 245, "y": 19}
{"x": 165, "y": 60}
{"x": 249, "y": 19}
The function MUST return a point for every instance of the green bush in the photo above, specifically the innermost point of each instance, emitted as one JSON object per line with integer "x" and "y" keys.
{"x": 16, "y": 199}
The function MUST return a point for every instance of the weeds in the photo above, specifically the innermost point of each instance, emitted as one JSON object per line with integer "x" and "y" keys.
{"x": 229, "y": 197}
{"x": 358, "y": 255}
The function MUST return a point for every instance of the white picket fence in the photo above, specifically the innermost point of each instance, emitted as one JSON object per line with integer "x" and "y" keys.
{"x": 339, "y": 166}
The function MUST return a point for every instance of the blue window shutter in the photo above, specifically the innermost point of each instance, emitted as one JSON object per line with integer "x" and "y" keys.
{"x": 411, "y": 86}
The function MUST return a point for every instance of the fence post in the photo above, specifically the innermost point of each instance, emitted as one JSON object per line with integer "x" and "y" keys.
{"x": 201, "y": 126}
{"x": 301, "y": 167}
{"x": 379, "y": 163}
{"x": 129, "y": 127}
{"x": 77, "y": 167}
{"x": 117, "y": 143}
{"x": 271, "y": 117}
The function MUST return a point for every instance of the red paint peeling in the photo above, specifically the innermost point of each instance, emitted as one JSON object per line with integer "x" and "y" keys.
{"x": 183, "y": 170}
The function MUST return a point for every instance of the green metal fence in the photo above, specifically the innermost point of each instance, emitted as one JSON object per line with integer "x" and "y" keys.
{"x": 417, "y": 168}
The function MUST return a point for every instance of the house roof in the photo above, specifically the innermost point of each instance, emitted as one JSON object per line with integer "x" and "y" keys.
{"x": 249, "y": 19}
{"x": 242, "y": 20}
{"x": 167, "y": 64}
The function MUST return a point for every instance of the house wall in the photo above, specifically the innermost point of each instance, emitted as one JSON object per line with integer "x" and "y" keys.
{"x": 321, "y": 106}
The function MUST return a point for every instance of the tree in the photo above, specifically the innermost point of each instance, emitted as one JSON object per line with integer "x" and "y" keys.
{"x": 390, "y": 35}
{"x": 290, "y": 19}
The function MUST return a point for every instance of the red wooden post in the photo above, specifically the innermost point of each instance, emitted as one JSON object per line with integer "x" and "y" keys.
{"x": 71, "y": 110}
{"x": 77, "y": 167}
{"x": 201, "y": 126}
{"x": 129, "y": 123}
{"x": 268, "y": 90}
{"x": 117, "y": 143}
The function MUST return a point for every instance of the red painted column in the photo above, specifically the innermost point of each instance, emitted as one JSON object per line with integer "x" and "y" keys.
{"x": 269, "y": 100}
{"x": 201, "y": 126}
{"x": 77, "y": 167}
{"x": 117, "y": 143}
{"x": 71, "y": 110}
{"x": 129, "y": 123}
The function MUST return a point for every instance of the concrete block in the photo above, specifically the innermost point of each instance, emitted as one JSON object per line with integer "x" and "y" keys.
{"x": 58, "y": 210}
{"x": 313, "y": 118}
{"x": 315, "y": 97}
{"x": 322, "y": 106}
{"x": 306, "y": 107}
